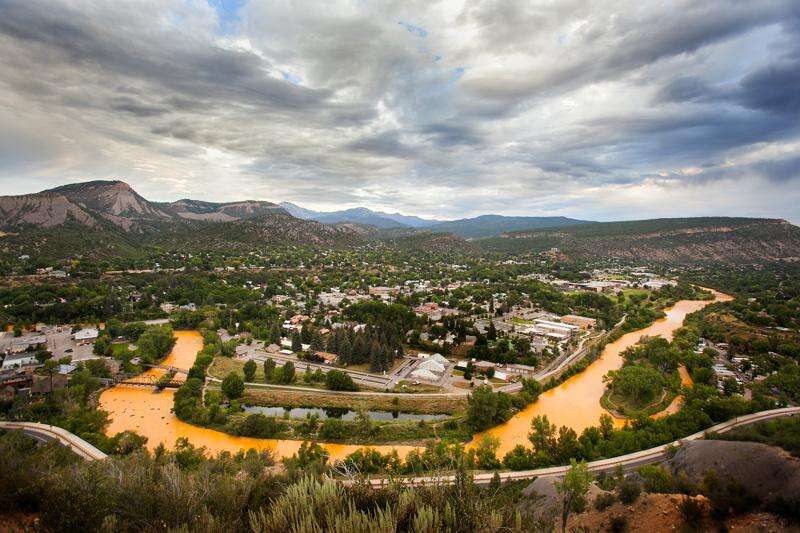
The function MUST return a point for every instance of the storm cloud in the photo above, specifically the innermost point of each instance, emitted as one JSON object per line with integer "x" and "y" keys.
{"x": 608, "y": 110}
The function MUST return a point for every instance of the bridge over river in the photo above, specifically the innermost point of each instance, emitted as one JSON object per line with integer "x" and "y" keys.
{"x": 575, "y": 403}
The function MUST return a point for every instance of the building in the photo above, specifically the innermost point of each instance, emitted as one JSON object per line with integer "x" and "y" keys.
{"x": 86, "y": 335}
{"x": 384, "y": 293}
{"x": 423, "y": 374}
{"x": 46, "y": 384}
{"x": 18, "y": 360}
{"x": 580, "y": 321}
{"x": 432, "y": 366}
{"x": 328, "y": 357}
{"x": 20, "y": 344}
{"x": 656, "y": 284}
{"x": 548, "y": 326}
{"x": 519, "y": 370}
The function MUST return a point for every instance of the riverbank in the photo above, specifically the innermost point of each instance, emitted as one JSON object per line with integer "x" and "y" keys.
{"x": 574, "y": 403}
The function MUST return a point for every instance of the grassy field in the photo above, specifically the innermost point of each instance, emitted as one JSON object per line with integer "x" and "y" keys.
{"x": 118, "y": 350}
{"x": 628, "y": 409}
{"x": 365, "y": 366}
{"x": 401, "y": 402}
{"x": 634, "y": 292}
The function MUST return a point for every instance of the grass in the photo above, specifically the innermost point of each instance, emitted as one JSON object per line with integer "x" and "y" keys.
{"x": 408, "y": 387}
{"x": 630, "y": 409}
{"x": 119, "y": 350}
{"x": 634, "y": 292}
{"x": 401, "y": 402}
{"x": 364, "y": 367}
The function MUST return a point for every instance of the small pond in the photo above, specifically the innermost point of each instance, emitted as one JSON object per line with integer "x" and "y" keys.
{"x": 336, "y": 412}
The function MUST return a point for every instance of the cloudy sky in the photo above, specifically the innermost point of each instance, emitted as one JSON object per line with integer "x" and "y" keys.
{"x": 602, "y": 110}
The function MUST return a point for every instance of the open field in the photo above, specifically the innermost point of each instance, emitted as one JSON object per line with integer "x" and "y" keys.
{"x": 401, "y": 402}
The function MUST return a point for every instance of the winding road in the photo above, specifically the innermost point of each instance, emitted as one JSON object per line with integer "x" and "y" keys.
{"x": 45, "y": 433}
{"x": 630, "y": 461}
{"x": 627, "y": 462}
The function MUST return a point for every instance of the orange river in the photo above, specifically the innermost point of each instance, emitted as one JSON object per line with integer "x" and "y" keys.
{"x": 574, "y": 403}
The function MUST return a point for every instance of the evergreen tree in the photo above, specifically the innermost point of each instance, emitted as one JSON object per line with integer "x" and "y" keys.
{"x": 269, "y": 369}
{"x": 275, "y": 334}
{"x": 491, "y": 332}
{"x": 296, "y": 342}
{"x": 288, "y": 373}
{"x": 249, "y": 370}
{"x": 305, "y": 334}
{"x": 317, "y": 342}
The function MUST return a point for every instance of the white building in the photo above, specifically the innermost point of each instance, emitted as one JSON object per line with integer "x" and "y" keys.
{"x": 86, "y": 335}
{"x": 425, "y": 375}
{"x": 17, "y": 360}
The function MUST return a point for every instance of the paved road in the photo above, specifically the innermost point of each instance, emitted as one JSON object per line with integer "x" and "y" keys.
{"x": 44, "y": 432}
{"x": 628, "y": 462}
{"x": 365, "y": 378}
{"x": 416, "y": 395}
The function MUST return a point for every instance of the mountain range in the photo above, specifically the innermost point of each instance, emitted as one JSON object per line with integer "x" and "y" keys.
{"x": 468, "y": 228}
{"x": 712, "y": 239}
{"x": 109, "y": 218}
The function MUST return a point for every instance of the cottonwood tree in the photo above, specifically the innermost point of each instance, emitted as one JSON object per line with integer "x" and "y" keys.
{"x": 573, "y": 489}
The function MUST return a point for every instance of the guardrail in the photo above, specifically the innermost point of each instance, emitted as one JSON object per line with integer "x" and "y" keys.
{"x": 631, "y": 460}
{"x": 73, "y": 442}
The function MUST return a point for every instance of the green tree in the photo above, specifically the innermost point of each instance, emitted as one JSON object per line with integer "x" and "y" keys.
{"x": 573, "y": 489}
{"x": 543, "y": 437}
{"x": 102, "y": 346}
{"x": 363, "y": 424}
{"x": 297, "y": 344}
{"x": 269, "y": 369}
{"x": 638, "y": 383}
{"x": 486, "y": 408}
{"x": 288, "y": 374}
{"x": 338, "y": 380}
{"x": 249, "y": 370}
{"x": 43, "y": 355}
{"x": 233, "y": 386}
{"x": 332, "y": 429}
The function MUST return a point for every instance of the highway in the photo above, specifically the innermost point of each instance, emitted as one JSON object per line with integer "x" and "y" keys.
{"x": 44, "y": 433}
{"x": 628, "y": 462}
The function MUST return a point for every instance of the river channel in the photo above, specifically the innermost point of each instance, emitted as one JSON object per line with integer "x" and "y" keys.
{"x": 574, "y": 403}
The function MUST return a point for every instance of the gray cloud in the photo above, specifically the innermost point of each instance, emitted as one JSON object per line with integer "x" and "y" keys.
{"x": 436, "y": 108}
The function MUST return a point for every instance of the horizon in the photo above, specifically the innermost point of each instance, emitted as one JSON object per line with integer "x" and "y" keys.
{"x": 445, "y": 111}
{"x": 280, "y": 202}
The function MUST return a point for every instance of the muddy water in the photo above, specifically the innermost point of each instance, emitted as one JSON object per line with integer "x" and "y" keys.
{"x": 574, "y": 403}
{"x": 149, "y": 413}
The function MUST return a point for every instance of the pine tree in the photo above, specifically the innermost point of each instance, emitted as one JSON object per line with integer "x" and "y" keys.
{"x": 275, "y": 334}
{"x": 296, "y": 342}
{"x": 491, "y": 332}
{"x": 317, "y": 342}
{"x": 345, "y": 351}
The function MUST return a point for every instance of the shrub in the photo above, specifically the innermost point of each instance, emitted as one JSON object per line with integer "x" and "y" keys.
{"x": 604, "y": 500}
{"x": 629, "y": 491}
{"x": 619, "y": 524}
{"x": 260, "y": 426}
{"x": 338, "y": 380}
{"x": 332, "y": 429}
{"x": 692, "y": 511}
{"x": 657, "y": 479}
{"x": 233, "y": 386}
